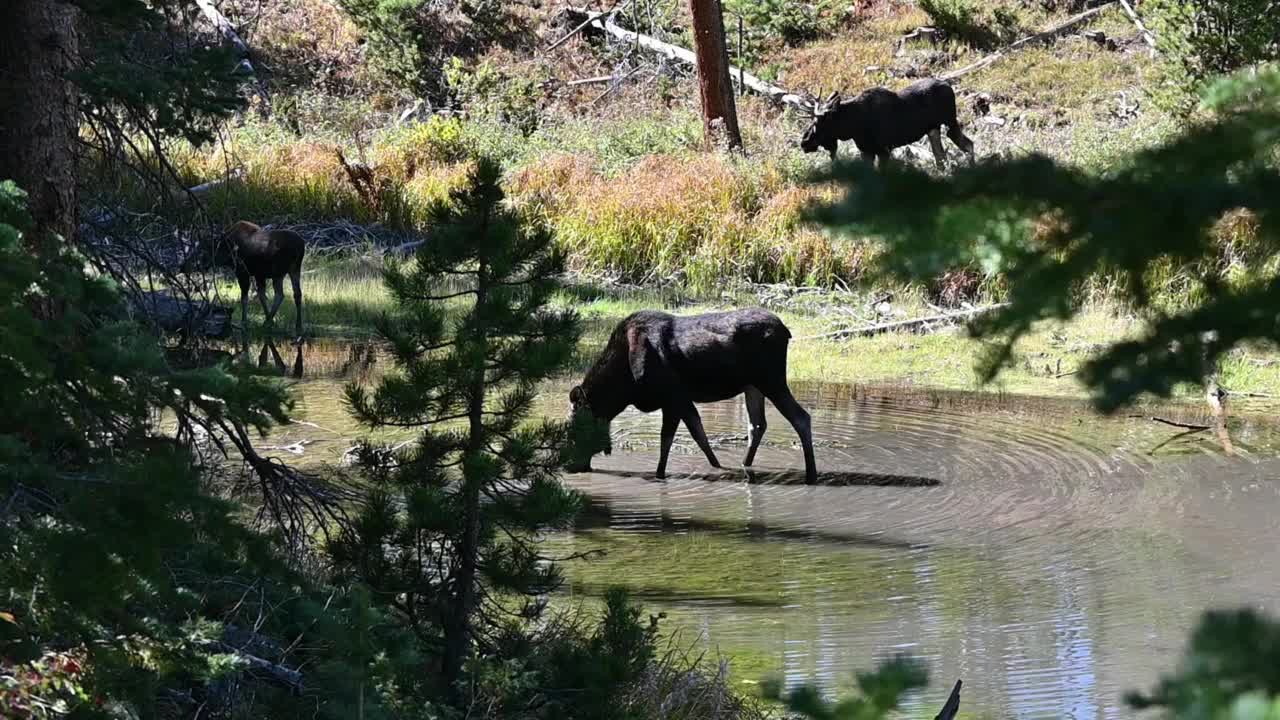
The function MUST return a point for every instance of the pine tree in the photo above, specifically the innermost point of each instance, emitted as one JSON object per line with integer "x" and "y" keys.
{"x": 132, "y": 72}
{"x": 445, "y": 540}
{"x": 120, "y": 571}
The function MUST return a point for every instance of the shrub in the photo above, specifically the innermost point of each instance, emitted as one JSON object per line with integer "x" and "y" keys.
{"x": 409, "y": 41}
{"x": 403, "y": 152}
{"x": 771, "y": 21}
{"x": 490, "y": 92}
{"x": 1230, "y": 670}
{"x": 980, "y": 25}
{"x": 1200, "y": 40}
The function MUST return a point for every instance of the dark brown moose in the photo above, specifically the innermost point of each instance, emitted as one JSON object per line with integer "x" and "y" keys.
{"x": 879, "y": 120}
{"x": 657, "y": 361}
{"x": 256, "y": 255}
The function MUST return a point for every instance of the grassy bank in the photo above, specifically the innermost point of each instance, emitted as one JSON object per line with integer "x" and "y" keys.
{"x": 621, "y": 178}
{"x": 344, "y": 299}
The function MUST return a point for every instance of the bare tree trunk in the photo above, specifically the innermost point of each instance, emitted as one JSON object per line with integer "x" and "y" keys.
{"x": 719, "y": 115}
{"x": 457, "y": 629}
{"x": 38, "y": 113}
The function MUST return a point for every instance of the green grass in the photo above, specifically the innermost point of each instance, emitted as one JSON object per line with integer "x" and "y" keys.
{"x": 341, "y": 299}
{"x": 345, "y": 298}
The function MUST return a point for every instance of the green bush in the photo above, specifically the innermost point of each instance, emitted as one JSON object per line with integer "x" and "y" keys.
{"x": 879, "y": 693}
{"x": 1200, "y": 40}
{"x": 489, "y": 92}
{"x": 410, "y": 41}
{"x": 979, "y": 25}
{"x": 779, "y": 20}
{"x": 1231, "y": 671}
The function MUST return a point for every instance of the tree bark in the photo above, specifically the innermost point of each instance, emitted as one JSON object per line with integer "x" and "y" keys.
{"x": 38, "y": 115}
{"x": 457, "y": 629}
{"x": 719, "y": 114}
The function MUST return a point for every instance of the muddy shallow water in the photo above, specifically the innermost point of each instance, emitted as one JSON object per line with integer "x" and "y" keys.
{"x": 1049, "y": 558}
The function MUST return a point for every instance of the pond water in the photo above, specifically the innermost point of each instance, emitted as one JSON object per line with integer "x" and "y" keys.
{"x": 1050, "y": 558}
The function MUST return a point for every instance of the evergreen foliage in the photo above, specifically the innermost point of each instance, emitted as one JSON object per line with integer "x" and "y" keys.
{"x": 880, "y": 693}
{"x": 125, "y": 580}
{"x": 445, "y": 541}
{"x": 1231, "y": 671}
{"x": 409, "y": 41}
{"x": 1048, "y": 227}
{"x": 1200, "y": 40}
{"x": 144, "y": 70}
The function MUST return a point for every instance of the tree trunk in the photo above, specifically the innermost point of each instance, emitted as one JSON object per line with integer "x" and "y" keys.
{"x": 39, "y": 114}
{"x": 719, "y": 115}
{"x": 457, "y": 630}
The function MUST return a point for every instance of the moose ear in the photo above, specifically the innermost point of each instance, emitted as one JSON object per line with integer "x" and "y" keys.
{"x": 647, "y": 362}
{"x": 575, "y": 395}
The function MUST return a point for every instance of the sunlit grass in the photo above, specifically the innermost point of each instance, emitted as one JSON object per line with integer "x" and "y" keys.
{"x": 345, "y": 298}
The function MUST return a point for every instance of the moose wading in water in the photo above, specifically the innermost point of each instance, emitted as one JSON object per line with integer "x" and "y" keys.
{"x": 879, "y": 120}
{"x": 256, "y": 255}
{"x": 657, "y": 361}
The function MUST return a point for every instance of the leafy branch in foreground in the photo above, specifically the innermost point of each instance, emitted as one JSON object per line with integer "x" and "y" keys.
{"x": 1231, "y": 670}
{"x": 1048, "y": 228}
{"x": 881, "y": 692}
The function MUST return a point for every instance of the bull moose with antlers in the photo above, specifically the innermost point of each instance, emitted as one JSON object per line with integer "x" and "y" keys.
{"x": 878, "y": 120}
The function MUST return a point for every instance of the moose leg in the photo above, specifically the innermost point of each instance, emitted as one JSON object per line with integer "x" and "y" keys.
{"x": 261, "y": 284}
{"x": 295, "y": 276}
{"x": 755, "y": 411}
{"x": 278, "y": 285}
{"x": 670, "y": 423}
{"x": 693, "y": 421}
{"x": 958, "y": 137}
{"x": 244, "y": 311}
{"x": 935, "y": 142}
{"x": 786, "y": 403}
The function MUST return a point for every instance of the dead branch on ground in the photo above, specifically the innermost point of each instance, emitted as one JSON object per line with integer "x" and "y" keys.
{"x": 905, "y": 324}
{"x": 1050, "y": 34}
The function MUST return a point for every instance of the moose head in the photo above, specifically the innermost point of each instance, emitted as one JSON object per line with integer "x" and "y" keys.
{"x": 589, "y": 432}
{"x": 821, "y": 133}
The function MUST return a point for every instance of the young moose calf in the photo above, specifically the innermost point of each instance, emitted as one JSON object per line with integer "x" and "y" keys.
{"x": 256, "y": 255}
{"x": 657, "y": 361}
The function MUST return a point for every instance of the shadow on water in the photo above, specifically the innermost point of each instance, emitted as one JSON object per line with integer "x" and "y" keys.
{"x": 596, "y": 515}
{"x": 827, "y": 478}
{"x": 1050, "y": 557}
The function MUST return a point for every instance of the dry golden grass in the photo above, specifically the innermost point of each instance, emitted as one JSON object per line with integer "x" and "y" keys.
{"x": 708, "y": 218}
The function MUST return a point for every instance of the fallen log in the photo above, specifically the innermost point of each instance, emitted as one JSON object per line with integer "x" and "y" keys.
{"x": 1147, "y": 37}
{"x": 171, "y": 314}
{"x": 228, "y": 31}
{"x": 257, "y": 667}
{"x": 583, "y": 26}
{"x": 604, "y": 21}
{"x": 904, "y": 324}
{"x": 1049, "y": 34}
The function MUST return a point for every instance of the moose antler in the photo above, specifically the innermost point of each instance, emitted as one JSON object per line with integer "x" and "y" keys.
{"x": 810, "y": 106}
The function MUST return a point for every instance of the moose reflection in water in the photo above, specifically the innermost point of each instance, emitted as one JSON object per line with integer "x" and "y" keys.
{"x": 270, "y": 353}
{"x": 657, "y": 361}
